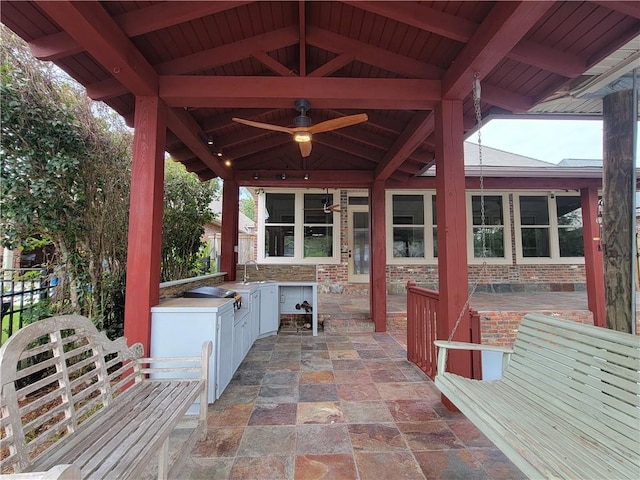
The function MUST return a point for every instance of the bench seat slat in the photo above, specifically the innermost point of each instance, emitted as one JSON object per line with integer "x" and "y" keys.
{"x": 624, "y": 356}
{"x": 597, "y": 420}
{"x": 592, "y": 363}
{"x": 619, "y": 399}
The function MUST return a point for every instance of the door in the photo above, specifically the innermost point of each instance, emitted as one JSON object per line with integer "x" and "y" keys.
{"x": 358, "y": 225}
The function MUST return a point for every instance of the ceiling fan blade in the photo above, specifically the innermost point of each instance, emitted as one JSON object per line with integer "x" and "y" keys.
{"x": 305, "y": 148}
{"x": 265, "y": 126}
{"x": 336, "y": 123}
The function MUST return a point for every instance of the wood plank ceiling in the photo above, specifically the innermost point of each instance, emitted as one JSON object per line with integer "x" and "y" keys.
{"x": 211, "y": 61}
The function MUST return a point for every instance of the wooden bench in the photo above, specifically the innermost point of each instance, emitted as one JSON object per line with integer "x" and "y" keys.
{"x": 567, "y": 405}
{"x": 72, "y": 396}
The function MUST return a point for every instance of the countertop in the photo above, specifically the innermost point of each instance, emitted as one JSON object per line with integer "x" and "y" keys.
{"x": 183, "y": 303}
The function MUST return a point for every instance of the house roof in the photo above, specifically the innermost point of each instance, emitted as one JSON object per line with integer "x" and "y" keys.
{"x": 245, "y": 224}
{"x": 394, "y": 61}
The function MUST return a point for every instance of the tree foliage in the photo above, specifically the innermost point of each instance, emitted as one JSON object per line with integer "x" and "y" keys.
{"x": 186, "y": 211}
{"x": 64, "y": 179}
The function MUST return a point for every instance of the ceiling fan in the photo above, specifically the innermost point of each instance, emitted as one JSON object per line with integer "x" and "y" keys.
{"x": 303, "y": 130}
{"x": 326, "y": 207}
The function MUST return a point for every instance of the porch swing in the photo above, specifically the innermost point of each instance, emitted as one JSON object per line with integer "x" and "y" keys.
{"x": 568, "y": 402}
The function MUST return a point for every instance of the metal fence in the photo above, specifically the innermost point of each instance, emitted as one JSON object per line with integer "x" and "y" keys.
{"x": 23, "y": 291}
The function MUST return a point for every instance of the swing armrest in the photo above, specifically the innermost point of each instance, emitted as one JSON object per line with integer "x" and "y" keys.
{"x": 444, "y": 347}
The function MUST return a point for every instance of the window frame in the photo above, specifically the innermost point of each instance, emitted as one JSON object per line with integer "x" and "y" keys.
{"x": 298, "y": 223}
{"x": 429, "y": 258}
{"x": 554, "y": 241}
{"x": 506, "y": 226}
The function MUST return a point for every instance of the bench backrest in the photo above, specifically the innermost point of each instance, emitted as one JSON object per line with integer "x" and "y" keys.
{"x": 590, "y": 375}
{"x": 56, "y": 373}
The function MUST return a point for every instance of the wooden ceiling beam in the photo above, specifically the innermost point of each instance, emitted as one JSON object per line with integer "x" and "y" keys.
{"x": 371, "y": 55}
{"x": 270, "y": 92}
{"x": 272, "y": 64}
{"x": 337, "y": 143}
{"x": 503, "y": 28}
{"x": 506, "y": 99}
{"x": 333, "y": 65}
{"x": 416, "y": 132}
{"x": 252, "y": 148}
{"x": 628, "y": 8}
{"x": 317, "y": 179}
{"x": 206, "y": 59}
{"x": 461, "y": 30}
{"x": 422, "y": 17}
{"x": 133, "y": 23}
{"x": 302, "y": 27}
{"x": 186, "y": 129}
{"x": 92, "y": 27}
{"x": 212, "y": 124}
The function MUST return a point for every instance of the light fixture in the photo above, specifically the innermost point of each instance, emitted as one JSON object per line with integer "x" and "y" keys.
{"x": 281, "y": 176}
{"x": 227, "y": 162}
{"x": 600, "y": 213}
{"x": 306, "y": 176}
{"x": 302, "y": 137}
{"x": 209, "y": 140}
{"x": 256, "y": 176}
{"x": 219, "y": 153}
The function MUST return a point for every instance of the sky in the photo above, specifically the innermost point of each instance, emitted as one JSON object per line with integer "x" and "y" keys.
{"x": 547, "y": 140}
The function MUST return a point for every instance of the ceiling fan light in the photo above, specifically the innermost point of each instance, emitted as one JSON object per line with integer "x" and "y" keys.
{"x": 302, "y": 137}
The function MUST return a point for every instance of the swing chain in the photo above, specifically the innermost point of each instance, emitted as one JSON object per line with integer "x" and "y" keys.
{"x": 483, "y": 236}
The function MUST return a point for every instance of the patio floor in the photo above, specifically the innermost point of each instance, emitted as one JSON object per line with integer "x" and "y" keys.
{"x": 338, "y": 407}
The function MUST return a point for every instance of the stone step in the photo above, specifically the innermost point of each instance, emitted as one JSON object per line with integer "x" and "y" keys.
{"x": 338, "y": 322}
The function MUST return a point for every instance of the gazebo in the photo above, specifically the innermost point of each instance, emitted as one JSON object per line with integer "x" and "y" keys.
{"x": 178, "y": 72}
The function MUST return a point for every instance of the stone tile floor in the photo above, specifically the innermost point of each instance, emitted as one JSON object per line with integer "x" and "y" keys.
{"x": 344, "y": 406}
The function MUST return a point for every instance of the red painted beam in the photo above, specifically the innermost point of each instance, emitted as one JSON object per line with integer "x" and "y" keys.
{"x": 272, "y": 92}
{"x": 182, "y": 124}
{"x": 229, "y": 233}
{"x": 145, "y": 220}
{"x": 413, "y": 135}
{"x": 205, "y": 60}
{"x": 452, "y": 231}
{"x": 593, "y": 259}
{"x": 371, "y": 55}
{"x": 132, "y": 23}
{"x": 92, "y": 27}
{"x": 503, "y": 28}
{"x": 377, "y": 257}
{"x": 317, "y": 178}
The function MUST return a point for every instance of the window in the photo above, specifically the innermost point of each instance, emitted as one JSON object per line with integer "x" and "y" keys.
{"x": 569, "y": 213}
{"x": 318, "y": 226}
{"x": 280, "y": 225}
{"x": 549, "y": 227}
{"x": 411, "y": 227}
{"x": 488, "y": 242}
{"x": 408, "y": 226}
{"x": 295, "y": 227}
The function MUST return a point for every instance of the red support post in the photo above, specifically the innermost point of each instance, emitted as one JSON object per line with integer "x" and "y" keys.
{"x": 593, "y": 262}
{"x": 229, "y": 229}
{"x": 452, "y": 230}
{"x": 145, "y": 219}
{"x": 378, "y": 258}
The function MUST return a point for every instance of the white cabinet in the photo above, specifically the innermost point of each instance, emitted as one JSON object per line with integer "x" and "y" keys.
{"x": 180, "y": 325}
{"x": 269, "y": 317}
{"x": 238, "y": 338}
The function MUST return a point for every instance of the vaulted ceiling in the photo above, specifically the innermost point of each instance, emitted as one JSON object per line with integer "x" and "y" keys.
{"x": 394, "y": 61}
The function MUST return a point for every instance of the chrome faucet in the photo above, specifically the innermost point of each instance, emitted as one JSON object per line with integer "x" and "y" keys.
{"x": 245, "y": 277}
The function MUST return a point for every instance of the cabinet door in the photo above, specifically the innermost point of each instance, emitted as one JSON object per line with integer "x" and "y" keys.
{"x": 237, "y": 344}
{"x": 225, "y": 352}
{"x": 269, "y": 314}
{"x": 247, "y": 332}
{"x": 255, "y": 315}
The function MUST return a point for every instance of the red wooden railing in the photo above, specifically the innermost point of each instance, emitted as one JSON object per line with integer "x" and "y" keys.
{"x": 422, "y": 318}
